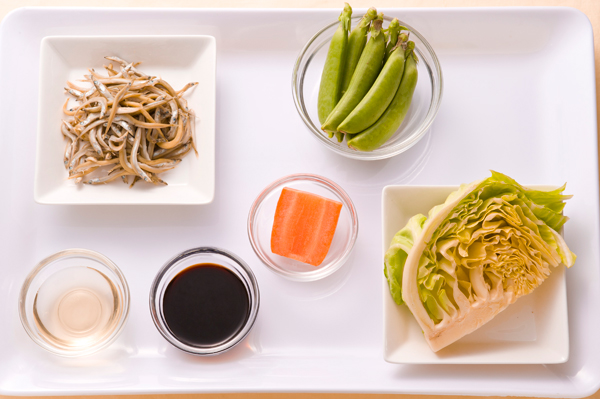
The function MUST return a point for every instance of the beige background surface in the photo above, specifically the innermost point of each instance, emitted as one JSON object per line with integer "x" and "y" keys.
{"x": 590, "y": 7}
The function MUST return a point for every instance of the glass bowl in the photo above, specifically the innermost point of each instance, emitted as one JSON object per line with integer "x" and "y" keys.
{"x": 74, "y": 303}
{"x": 424, "y": 107}
{"x": 185, "y": 260}
{"x": 260, "y": 225}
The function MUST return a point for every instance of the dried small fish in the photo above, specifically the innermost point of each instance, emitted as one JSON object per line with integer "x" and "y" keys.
{"x": 102, "y": 89}
{"x": 125, "y": 124}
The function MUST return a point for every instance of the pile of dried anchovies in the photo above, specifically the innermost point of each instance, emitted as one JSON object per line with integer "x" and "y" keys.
{"x": 127, "y": 124}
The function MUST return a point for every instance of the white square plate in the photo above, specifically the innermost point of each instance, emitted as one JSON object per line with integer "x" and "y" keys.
{"x": 533, "y": 330}
{"x": 178, "y": 60}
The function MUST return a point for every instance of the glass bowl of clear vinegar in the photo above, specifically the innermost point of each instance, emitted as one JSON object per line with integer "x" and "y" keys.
{"x": 74, "y": 303}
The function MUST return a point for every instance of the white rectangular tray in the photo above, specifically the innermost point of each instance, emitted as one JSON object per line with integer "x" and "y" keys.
{"x": 519, "y": 97}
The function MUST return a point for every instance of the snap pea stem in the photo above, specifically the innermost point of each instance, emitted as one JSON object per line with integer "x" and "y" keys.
{"x": 385, "y": 127}
{"x": 356, "y": 45}
{"x": 392, "y": 36}
{"x": 381, "y": 94}
{"x": 366, "y": 72}
{"x": 333, "y": 71}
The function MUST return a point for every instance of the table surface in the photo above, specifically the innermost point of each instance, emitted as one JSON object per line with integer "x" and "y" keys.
{"x": 590, "y": 7}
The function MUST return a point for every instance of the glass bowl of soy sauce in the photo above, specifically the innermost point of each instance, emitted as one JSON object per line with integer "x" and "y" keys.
{"x": 204, "y": 300}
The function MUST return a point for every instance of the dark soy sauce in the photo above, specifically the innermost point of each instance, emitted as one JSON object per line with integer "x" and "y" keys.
{"x": 205, "y": 305}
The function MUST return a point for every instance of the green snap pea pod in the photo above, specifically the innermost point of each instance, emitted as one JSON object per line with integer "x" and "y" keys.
{"x": 333, "y": 71}
{"x": 356, "y": 45}
{"x": 376, "y": 135}
{"x": 366, "y": 72}
{"x": 381, "y": 94}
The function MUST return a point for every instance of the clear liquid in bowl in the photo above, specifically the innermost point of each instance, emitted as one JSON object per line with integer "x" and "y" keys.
{"x": 76, "y": 307}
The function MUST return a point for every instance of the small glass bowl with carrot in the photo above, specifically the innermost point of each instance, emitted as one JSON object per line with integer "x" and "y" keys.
{"x": 303, "y": 227}
{"x": 406, "y": 112}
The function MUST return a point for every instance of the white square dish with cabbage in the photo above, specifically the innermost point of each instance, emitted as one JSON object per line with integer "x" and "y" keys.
{"x": 531, "y": 328}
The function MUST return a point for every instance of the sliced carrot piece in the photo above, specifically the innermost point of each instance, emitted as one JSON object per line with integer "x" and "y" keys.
{"x": 304, "y": 226}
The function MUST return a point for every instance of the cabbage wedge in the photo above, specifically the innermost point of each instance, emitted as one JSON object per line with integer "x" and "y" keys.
{"x": 490, "y": 243}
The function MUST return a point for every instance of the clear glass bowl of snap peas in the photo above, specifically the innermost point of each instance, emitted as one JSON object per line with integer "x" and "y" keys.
{"x": 424, "y": 107}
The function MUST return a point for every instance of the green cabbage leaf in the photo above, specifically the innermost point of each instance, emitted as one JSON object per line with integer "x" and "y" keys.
{"x": 396, "y": 255}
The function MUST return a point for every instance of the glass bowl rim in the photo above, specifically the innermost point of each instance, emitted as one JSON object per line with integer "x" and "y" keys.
{"x": 58, "y": 256}
{"x": 378, "y": 154}
{"x": 314, "y": 274}
{"x": 249, "y": 281}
